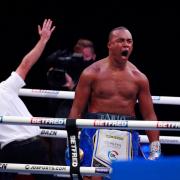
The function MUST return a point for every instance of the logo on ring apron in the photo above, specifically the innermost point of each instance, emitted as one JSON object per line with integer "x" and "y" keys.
{"x": 113, "y": 155}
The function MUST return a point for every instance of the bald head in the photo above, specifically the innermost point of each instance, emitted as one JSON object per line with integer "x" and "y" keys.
{"x": 120, "y": 28}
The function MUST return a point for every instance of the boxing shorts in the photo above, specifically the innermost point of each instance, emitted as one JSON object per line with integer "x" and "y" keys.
{"x": 92, "y": 142}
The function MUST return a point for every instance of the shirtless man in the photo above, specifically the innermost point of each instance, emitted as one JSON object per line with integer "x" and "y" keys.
{"x": 111, "y": 87}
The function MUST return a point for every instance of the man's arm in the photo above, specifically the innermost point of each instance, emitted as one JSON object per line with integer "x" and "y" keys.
{"x": 146, "y": 108}
{"x": 31, "y": 58}
{"x": 148, "y": 113}
{"x": 82, "y": 94}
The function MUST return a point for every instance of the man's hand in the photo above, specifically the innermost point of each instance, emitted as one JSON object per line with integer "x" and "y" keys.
{"x": 155, "y": 150}
{"x": 31, "y": 58}
{"x": 46, "y": 30}
{"x": 69, "y": 82}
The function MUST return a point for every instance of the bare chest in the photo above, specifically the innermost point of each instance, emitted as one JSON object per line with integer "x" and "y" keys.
{"x": 118, "y": 85}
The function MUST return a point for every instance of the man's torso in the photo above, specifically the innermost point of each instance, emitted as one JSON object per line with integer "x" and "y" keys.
{"x": 114, "y": 91}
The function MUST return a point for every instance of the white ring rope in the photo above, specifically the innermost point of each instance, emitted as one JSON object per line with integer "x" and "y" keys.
{"x": 53, "y": 133}
{"x": 93, "y": 123}
{"x": 82, "y": 123}
{"x": 163, "y": 139}
{"x": 46, "y": 93}
{"x": 51, "y": 169}
{"x": 70, "y": 95}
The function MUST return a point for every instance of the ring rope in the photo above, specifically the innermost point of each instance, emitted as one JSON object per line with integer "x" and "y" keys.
{"x": 51, "y": 169}
{"x": 70, "y": 95}
{"x": 42, "y": 93}
{"x": 93, "y": 123}
{"x": 53, "y": 133}
{"x": 81, "y": 123}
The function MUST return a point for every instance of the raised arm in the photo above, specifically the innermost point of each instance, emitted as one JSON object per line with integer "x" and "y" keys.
{"x": 31, "y": 58}
{"x": 148, "y": 113}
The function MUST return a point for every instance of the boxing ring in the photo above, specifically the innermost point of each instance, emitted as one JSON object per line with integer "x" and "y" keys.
{"x": 83, "y": 123}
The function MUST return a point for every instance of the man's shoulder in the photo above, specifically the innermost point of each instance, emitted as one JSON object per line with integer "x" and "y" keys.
{"x": 138, "y": 73}
{"x": 92, "y": 69}
{"x": 13, "y": 82}
{"x": 95, "y": 67}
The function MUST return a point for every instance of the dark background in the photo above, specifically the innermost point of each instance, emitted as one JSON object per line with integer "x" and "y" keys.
{"x": 156, "y": 44}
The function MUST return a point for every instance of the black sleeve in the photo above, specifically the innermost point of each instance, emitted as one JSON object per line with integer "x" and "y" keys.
{"x": 51, "y": 60}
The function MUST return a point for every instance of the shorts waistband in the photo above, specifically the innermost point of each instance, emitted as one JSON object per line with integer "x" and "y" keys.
{"x": 109, "y": 116}
{"x": 22, "y": 142}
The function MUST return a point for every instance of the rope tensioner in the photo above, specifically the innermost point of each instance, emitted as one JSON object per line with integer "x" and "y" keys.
{"x": 70, "y": 95}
